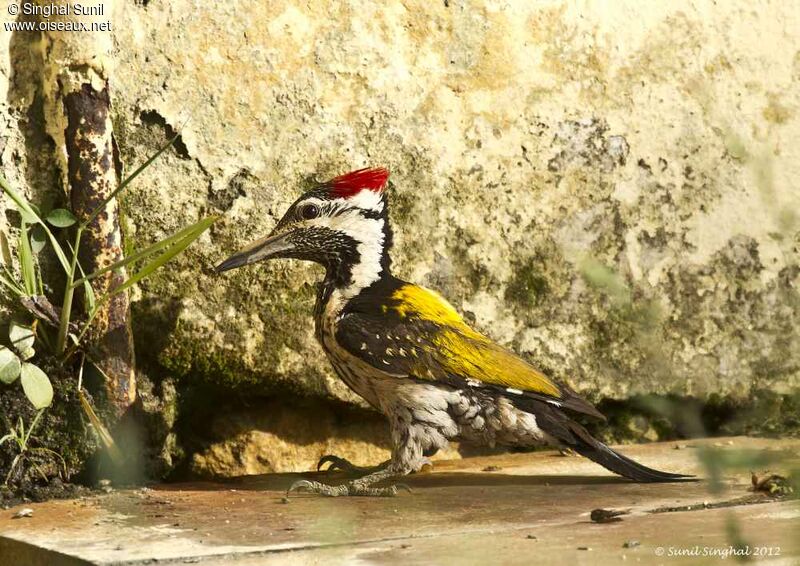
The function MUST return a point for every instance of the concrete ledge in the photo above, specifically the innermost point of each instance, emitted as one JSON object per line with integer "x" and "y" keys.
{"x": 509, "y": 509}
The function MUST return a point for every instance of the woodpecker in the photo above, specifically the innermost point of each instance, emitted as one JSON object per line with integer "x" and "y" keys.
{"x": 408, "y": 352}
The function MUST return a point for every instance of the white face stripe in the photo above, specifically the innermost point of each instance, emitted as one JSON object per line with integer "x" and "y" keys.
{"x": 368, "y": 233}
{"x": 366, "y": 199}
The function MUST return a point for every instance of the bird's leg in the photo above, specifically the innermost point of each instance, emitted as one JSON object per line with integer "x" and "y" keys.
{"x": 344, "y": 465}
{"x": 406, "y": 457}
{"x": 337, "y": 463}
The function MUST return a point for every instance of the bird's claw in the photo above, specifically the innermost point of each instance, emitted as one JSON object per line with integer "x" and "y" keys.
{"x": 336, "y": 463}
{"x": 353, "y": 488}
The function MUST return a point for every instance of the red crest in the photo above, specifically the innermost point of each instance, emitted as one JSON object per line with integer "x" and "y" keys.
{"x": 350, "y": 184}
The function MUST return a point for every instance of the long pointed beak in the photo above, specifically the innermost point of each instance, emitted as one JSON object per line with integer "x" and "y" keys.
{"x": 265, "y": 248}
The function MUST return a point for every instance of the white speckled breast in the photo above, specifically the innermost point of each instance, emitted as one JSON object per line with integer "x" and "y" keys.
{"x": 358, "y": 375}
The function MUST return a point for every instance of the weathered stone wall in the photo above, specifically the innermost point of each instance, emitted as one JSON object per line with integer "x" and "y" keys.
{"x": 608, "y": 188}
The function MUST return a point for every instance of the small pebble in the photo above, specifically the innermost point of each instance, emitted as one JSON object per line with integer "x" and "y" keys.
{"x": 26, "y": 512}
{"x": 532, "y": 537}
{"x": 631, "y": 544}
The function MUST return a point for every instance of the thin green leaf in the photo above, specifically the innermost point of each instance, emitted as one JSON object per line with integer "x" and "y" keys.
{"x": 61, "y": 218}
{"x": 90, "y": 300}
{"x": 34, "y": 422}
{"x": 12, "y": 285}
{"x": 25, "y": 208}
{"x": 30, "y": 215}
{"x": 180, "y": 241}
{"x": 5, "y": 249}
{"x": 189, "y": 233}
{"x": 86, "y": 326}
{"x": 7, "y": 437}
{"x": 9, "y": 365}
{"x": 26, "y": 261}
{"x": 39, "y": 277}
{"x": 62, "y": 258}
{"x": 148, "y": 269}
{"x": 127, "y": 181}
{"x": 105, "y": 437}
{"x": 37, "y": 386}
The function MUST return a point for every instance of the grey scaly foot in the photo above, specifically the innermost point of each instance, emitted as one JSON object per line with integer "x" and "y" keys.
{"x": 360, "y": 487}
{"x": 352, "y": 488}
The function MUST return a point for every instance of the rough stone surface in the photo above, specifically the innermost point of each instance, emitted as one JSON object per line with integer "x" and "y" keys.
{"x": 269, "y": 439}
{"x": 616, "y": 201}
{"x": 610, "y": 189}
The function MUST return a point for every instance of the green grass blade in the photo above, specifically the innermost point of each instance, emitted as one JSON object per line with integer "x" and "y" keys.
{"x": 12, "y": 285}
{"x": 22, "y": 203}
{"x": 89, "y": 296}
{"x": 127, "y": 181}
{"x": 190, "y": 234}
{"x": 26, "y": 260}
{"x": 30, "y": 215}
{"x": 102, "y": 432}
{"x": 62, "y": 258}
{"x": 39, "y": 279}
{"x": 5, "y": 249}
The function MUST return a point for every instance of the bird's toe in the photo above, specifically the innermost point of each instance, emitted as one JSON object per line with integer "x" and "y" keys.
{"x": 336, "y": 463}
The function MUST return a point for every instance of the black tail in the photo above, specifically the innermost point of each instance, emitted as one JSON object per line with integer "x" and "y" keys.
{"x": 572, "y": 435}
{"x": 619, "y": 464}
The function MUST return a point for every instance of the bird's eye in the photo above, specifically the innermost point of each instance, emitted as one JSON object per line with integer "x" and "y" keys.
{"x": 309, "y": 211}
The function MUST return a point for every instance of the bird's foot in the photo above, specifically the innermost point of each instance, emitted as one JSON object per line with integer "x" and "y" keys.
{"x": 352, "y": 488}
{"x": 337, "y": 463}
{"x": 425, "y": 466}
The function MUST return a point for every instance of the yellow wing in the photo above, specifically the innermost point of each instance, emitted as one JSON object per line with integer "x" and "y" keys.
{"x": 463, "y": 351}
{"x": 413, "y": 331}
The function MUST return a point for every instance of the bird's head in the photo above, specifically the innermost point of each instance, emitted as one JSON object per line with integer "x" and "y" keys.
{"x": 342, "y": 224}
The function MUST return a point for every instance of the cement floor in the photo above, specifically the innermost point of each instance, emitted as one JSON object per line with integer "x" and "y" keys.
{"x": 510, "y": 509}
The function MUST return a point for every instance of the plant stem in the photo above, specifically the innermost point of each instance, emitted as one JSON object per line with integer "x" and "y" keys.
{"x": 30, "y": 430}
{"x": 69, "y": 291}
{"x": 72, "y": 349}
